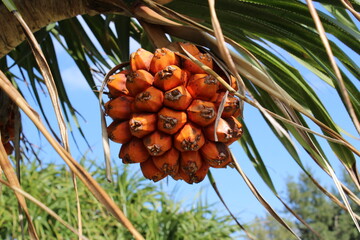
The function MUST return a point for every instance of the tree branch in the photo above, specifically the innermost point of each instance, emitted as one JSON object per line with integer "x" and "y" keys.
{"x": 39, "y": 13}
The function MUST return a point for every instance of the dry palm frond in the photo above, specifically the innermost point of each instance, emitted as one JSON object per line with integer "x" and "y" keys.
{"x": 79, "y": 171}
{"x": 53, "y": 93}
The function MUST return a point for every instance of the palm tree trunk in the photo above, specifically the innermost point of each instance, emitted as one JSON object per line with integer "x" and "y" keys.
{"x": 39, "y": 13}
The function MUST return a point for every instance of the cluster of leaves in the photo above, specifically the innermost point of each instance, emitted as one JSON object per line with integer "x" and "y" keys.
{"x": 326, "y": 218}
{"x": 151, "y": 210}
{"x": 251, "y": 24}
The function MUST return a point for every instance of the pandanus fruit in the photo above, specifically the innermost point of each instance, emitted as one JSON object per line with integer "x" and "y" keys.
{"x": 164, "y": 109}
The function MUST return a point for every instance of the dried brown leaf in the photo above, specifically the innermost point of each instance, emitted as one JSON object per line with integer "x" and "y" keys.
{"x": 78, "y": 170}
{"x": 104, "y": 134}
{"x": 261, "y": 199}
{"x": 213, "y": 184}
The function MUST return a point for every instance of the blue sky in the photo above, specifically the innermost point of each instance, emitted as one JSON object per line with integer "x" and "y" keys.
{"x": 234, "y": 191}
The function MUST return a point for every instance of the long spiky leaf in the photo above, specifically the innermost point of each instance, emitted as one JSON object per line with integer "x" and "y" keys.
{"x": 213, "y": 184}
{"x": 325, "y": 41}
{"x": 261, "y": 199}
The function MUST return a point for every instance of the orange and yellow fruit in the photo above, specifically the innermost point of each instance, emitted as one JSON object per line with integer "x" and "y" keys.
{"x": 164, "y": 110}
{"x": 117, "y": 84}
{"x": 168, "y": 162}
{"x": 134, "y": 151}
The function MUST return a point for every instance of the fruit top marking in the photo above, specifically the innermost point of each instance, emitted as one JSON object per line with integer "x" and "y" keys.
{"x": 191, "y": 167}
{"x": 154, "y": 149}
{"x": 209, "y": 79}
{"x": 145, "y": 96}
{"x": 191, "y": 145}
{"x": 135, "y": 125}
{"x": 207, "y": 112}
{"x": 167, "y": 72}
{"x": 130, "y": 77}
{"x": 169, "y": 122}
{"x": 173, "y": 95}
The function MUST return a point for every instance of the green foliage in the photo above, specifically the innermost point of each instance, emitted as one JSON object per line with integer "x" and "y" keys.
{"x": 152, "y": 211}
{"x": 326, "y": 218}
{"x": 270, "y": 229}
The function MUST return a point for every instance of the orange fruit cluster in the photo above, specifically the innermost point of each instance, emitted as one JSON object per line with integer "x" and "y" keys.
{"x": 164, "y": 109}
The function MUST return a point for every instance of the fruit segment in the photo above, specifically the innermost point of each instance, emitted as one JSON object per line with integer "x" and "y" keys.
{"x": 177, "y": 98}
{"x": 170, "y": 121}
{"x": 142, "y": 124}
{"x": 200, "y": 174}
{"x": 138, "y": 81}
{"x": 150, "y": 171}
{"x": 192, "y": 67}
{"x": 216, "y": 154}
{"x": 170, "y": 77}
{"x": 140, "y": 59}
{"x": 151, "y": 100}
{"x": 189, "y": 138}
{"x": 223, "y": 131}
{"x": 202, "y": 86}
{"x": 117, "y": 84}
{"x": 157, "y": 143}
{"x": 133, "y": 151}
{"x": 232, "y": 83}
{"x": 191, "y": 178}
{"x": 119, "y": 131}
{"x": 162, "y": 58}
{"x": 181, "y": 175}
{"x": 201, "y": 112}
{"x": 190, "y": 161}
{"x": 119, "y": 108}
{"x": 236, "y": 127}
{"x": 190, "y": 48}
{"x": 231, "y": 106}
{"x": 168, "y": 162}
